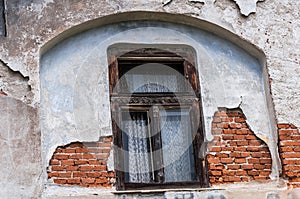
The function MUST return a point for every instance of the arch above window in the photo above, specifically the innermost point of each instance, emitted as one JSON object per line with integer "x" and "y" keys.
{"x": 75, "y": 77}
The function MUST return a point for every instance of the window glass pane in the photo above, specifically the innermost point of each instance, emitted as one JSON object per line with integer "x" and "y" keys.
{"x": 177, "y": 146}
{"x": 136, "y": 145}
{"x": 153, "y": 78}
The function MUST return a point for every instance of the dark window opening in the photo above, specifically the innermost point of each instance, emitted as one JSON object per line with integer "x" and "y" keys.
{"x": 2, "y": 18}
{"x": 156, "y": 116}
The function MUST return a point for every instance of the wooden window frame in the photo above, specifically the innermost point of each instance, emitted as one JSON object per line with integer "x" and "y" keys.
{"x": 190, "y": 99}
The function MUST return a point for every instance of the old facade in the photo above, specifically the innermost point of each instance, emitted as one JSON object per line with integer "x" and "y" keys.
{"x": 150, "y": 99}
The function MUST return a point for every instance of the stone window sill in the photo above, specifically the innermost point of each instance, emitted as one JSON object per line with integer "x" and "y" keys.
{"x": 165, "y": 190}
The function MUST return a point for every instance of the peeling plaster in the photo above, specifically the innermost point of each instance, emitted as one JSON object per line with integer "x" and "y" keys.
{"x": 13, "y": 83}
{"x": 272, "y": 30}
{"x": 247, "y": 6}
{"x": 20, "y": 150}
{"x": 229, "y": 77}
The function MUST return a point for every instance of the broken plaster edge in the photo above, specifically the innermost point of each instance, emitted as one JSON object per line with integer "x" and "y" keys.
{"x": 273, "y": 148}
{"x": 56, "y": 191}
{"x": 247, "y": 7}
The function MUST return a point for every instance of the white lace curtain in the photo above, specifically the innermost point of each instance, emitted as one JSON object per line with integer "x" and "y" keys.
{"x": 176, "y": 142}
{"x": 138, "y": 165}
{"x": 153, "y": 77}
{"x": 177, "y": 149}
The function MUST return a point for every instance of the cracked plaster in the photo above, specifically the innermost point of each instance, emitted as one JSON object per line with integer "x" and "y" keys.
{"x": 13, "y": 83}
{"x": 229, "y": 77}
{"x": 247, "y": 6}
{"x": 273, "y": 28}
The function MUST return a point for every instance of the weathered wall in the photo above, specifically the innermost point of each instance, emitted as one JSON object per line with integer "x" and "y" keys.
{"x": 236, "y": 154}
{"x": 70, "y": 97}
{"x": 274, "y": 28}
{"x": 83, "y": 164}
{"x": 20, "y": 150}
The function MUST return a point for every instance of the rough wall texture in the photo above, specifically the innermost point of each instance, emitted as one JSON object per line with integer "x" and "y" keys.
{"x": 82, "y": 164}
{"x": 13, "y": 83}
{"x": 289, "y": 142}
{"x": 20, "y": 150}
{"x": 70, "y": 98}
{"x": 274, "y": 28}
{"x": 236, "y": 154}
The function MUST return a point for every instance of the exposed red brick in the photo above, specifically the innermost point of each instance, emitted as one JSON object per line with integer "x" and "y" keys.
{"x": 68, "y": 150}
{"x": 65, "y": 174}
{"x": 233, "y": 166}
{"x": 75, "y": 156}
{"x": 79, "y": 174}
{"x": 73, "y": 180}
{"x": 54, "y": 162}
{"x": 81, "y": 150}
{"x": 240, "y": 160}
{"x": 60, "y": 181}
{"x": 241, "y": 173}
{"x": 222, "y": 155}
{"x": 216, "y": 149}
{"x": 283, "y": 126}
{"x": 88, "y": 156}
{"x": 94, "y": 174}
{"x": 247, "y": 166}
{"x": 236, "y": 154}
{"x": 216, "y": 173}
{"x": 88, "y": 180}
{"x": 289, "y": 146}
{"x": 67, "y": 162}
{"x": 244, "y": 132}
{"x": 100, "y": 168}
{"x": 71, "y": 168}
{"x": 57, "y": 168}
{"x": 82, "y": 164}
{"x": 86, "y": 168}
{"x": 101, "y": 180}
{"x": 61, "y": 156}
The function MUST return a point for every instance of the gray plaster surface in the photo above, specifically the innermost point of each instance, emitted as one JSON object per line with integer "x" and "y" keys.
{"x": 20, "y": 150}
{"x": 33, "y": 25}
{"x": 13, "y": 83}
{"x": 247, "y": 6}
{"x": 74, "y": 81}
{"x": 261, "y": 190}
{"x": 274, "y": 28}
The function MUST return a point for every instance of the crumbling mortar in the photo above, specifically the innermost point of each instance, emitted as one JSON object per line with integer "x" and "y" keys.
{"x": 276, "y": 166}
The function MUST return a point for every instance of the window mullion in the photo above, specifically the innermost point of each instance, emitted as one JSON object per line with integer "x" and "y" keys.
{"x": 157, "y": 145}
{"x": 151, "y": 146}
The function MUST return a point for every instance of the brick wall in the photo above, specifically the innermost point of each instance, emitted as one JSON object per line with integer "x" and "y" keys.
{"x": 82, "y": 164}
{"x": 236, "y": 154}
{"x": 289, "y": 146}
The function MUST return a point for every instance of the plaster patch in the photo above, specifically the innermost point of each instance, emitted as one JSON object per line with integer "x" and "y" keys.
{"x": 110, "y": 161}
{"x": 227, "y": 73}
{"x": 13, "y": 83}
{"x": 247, "y": 6}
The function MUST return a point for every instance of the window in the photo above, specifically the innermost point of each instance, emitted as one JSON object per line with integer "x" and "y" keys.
{"x": 156, "y": 116}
